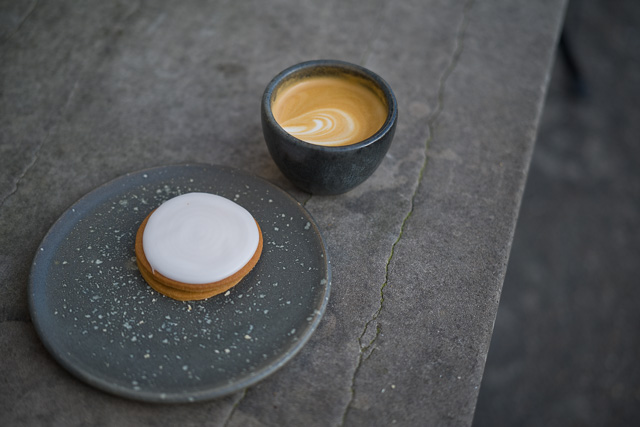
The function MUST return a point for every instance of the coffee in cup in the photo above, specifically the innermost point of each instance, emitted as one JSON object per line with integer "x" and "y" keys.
{"x": 329, "y": 110}
{"x": 328, "y": 124}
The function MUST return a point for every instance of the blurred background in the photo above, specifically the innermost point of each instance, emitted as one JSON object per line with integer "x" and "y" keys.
{"x": 566, "y": 344}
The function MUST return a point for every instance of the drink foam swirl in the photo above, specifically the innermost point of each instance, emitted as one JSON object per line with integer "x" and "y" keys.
{"x": 329, "y": 111}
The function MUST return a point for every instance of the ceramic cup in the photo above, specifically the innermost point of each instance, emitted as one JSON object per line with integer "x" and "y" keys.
{"x": 327, "y": 169}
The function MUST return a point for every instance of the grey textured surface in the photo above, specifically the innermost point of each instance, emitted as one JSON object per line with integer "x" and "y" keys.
{"x": 566, "y": 347}
{"x": 91, "y": 91}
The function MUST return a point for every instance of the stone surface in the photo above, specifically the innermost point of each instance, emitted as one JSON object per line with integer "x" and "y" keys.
{"x": 419, "y": 251}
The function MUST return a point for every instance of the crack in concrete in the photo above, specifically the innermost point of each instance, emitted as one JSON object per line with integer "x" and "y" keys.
{"x": 36, "y": 151}
{"x": 431, "y": 124}
{"x": 25, "y": 170}
{"x": 22, "y": 21}
{"x": 235, "y": 407}
{"x": 307, "y": 200}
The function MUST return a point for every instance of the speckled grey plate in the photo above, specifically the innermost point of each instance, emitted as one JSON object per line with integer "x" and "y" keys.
{"x": 101, "y": 321}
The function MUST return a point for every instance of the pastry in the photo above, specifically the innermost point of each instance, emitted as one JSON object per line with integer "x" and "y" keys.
{"x": 197, "y": 245}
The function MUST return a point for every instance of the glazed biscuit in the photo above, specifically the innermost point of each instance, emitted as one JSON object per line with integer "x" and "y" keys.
{"x": 183, "y": 291}
{"x": 186, "y": 291}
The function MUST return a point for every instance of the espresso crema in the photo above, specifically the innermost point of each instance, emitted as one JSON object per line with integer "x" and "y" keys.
{"x": 328, "y": 110}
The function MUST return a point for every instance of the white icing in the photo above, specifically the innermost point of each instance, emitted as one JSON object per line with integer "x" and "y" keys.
{"x": 199, "y": 238}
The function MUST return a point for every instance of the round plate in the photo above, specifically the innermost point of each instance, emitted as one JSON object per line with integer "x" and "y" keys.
{"x": 102, "y": 322}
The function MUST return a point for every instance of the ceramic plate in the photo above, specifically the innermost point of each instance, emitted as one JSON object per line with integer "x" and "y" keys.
{"x": 102, "y": 322}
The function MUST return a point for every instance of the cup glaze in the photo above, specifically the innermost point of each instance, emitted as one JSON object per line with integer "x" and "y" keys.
{"x": 320, "y": 169}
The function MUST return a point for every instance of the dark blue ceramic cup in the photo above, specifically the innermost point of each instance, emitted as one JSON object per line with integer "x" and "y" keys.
{"x": 320, "y": 169}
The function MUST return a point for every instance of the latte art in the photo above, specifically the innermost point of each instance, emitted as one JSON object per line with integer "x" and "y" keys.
{"x": 329, "y": 111}
{"x": 332, "y": 124}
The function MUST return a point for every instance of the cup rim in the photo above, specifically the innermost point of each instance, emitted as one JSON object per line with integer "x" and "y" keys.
{"x": 392, "y": 105}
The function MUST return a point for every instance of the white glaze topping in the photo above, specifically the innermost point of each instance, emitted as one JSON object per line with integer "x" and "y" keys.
{"x": 199, "y": 238}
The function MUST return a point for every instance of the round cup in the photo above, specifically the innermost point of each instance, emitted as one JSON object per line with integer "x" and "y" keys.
{"x": 320, "y": 169}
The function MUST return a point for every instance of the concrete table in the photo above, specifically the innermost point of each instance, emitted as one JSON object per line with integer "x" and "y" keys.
{"x": 93, "y": 90}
